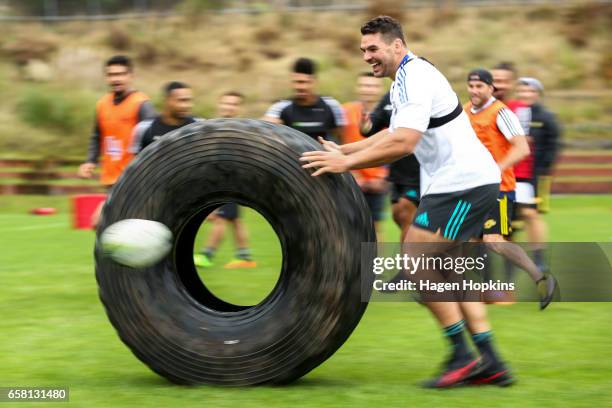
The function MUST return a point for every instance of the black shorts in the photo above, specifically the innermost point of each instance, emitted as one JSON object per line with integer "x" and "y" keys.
{"x": 376, "y": 202}
{"x": 410, "y": 192}
{"x": 459, "y": 215}
{"x": 499, "y": 219}
{"x": 229, "y": 211}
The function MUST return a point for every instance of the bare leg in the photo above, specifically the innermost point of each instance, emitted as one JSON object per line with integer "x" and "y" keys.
{"x": 514, "y": 253}
{"x": 537, "y": 231}
{"x": 475, "y": 314}
{"x": 446, "y": 313}
{"x": 240, "y": 234}
{"x": 217, "y": 233}
{"x": 461, "y": 365}
{"x": 403, "y": 215}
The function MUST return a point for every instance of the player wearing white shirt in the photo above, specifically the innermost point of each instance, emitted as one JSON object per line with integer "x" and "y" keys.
{"x": 464, "y": 182}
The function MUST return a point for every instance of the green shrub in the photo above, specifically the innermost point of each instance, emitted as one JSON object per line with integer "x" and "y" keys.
{"x": 573, "y": 70}
{"x": 56, "y": 111}
{"x": 391, "y": 8}
{"x": 119, "y": 39}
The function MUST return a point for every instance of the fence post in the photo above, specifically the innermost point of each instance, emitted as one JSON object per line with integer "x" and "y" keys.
{"x": 93, "y": 7}
{"x": 51, "y": 9}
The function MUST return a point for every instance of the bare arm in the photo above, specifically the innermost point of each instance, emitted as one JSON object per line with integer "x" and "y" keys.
{"x": 274, "y": 113}
{"x": 351, "y": 148}
{"x": 510, "y": 126}
{"x": 271, "y": 119}
{"x": 518, "y": 151}
{"x": 86, "y": 170}
{"x": 385, "y": 149}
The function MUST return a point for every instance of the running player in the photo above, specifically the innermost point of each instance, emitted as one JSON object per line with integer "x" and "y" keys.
{"x": 504, "y": 77}
{"x": 317, "y": 116}
{"x": 371, "y": 181}
{"x": 428, "y": 119}
{"x": 502, "y": 134}
{"x": 533, "y": 191}
{"x": 117, "y": 113}
{"x": 229, "y": 107}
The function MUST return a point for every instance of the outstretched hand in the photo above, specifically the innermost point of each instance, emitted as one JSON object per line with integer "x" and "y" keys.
{"x": 332, "y": 160}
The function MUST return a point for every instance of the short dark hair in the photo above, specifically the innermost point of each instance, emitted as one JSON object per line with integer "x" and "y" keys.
{"x": 305, "y": 66}
{"x": 120, "y": 60}
{"x": 506, "y": 66}
{"x": 171, "y": 86}
{"x": 387, "y": 26}
{"x": 233, "y": 93}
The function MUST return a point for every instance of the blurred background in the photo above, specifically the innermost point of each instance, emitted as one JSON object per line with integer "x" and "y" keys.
{"x": 50, "y": 46}
{"x": 54, "y": 330}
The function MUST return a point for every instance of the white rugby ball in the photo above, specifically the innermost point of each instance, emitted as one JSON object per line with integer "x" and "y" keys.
{"x": 136, "y": 243}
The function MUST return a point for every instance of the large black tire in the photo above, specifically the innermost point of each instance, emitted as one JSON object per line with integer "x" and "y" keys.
{"x": 166, "y": 315}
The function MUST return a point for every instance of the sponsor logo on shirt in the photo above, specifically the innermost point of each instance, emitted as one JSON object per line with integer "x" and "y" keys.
{"x": 307, "y": 124}
{"x": 113, "y": 148}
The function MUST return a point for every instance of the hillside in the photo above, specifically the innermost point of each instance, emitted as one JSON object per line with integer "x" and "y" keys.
{"x": 51, "y": 75}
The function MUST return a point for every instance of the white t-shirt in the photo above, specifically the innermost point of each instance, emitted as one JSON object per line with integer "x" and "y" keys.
{"x": 508, "y": 123}
{"x": 451, "y": 155}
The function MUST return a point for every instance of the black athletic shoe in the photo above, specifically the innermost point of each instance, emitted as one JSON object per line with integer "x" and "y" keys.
{"x": 497, "y": 374}
{"x": 456, "y": 375}
{"x": 546, "y": 290}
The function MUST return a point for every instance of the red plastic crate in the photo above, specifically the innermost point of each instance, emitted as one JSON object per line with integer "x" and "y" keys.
{"x": 83, "y": 206}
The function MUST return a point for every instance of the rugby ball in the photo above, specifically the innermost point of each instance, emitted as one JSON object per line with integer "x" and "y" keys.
{"x": 136, "y": 243}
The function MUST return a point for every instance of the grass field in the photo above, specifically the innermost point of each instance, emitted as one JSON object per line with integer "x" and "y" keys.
{"x": 54, "y": 332}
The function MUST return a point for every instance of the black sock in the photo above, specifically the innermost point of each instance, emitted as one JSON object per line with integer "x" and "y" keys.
{"x": 209, "y": 252}
{"x": 484, "y": 342}
{"x": 459, "y": 348}
{"x": 244, "y": 254}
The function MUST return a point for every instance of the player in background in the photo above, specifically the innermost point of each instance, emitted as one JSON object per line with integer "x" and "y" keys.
{"x": 504, "y": 80}
{"x": 501, "y": 133}
{"x": 229, "y": 106}
{"x": 176, "y": 113}
{"x": 533, "y": 191}
{"x": 404, "y": 174}
{"x": 372, "y": 180}
{"x": 117, "y": 113}
{"x": 317, "y": 116}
